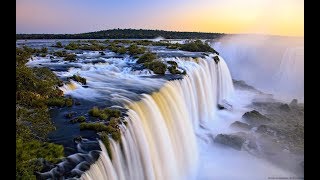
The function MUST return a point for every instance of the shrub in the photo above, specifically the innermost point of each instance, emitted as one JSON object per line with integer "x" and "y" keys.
{"x": 133, "y": 49}
{"x": 43, "y": 50}
{"x": 70, "y": 57}
{"x": 28, "y": 154}
{"x": 78, "y": 119}
{"x": 93, "y": 126}
{"x": 116, "y": 135}
{"x": 68, "y": 102}
{"x": 95, "y": 112}
{"x": 112, "y": 112}
{"x": 72, "y": 46}
{"x": 173, "y": 70}
{"x": 197, "y": 46}
{"x": 62, "y": 53}
{"x": 121, "y": 50}
{"x": 59, "y": 44}
{"x": 69, "y": 115}
{"x": 157, "y": 67}
{"x": 147, "y": 57}
{"x": 60, "y": 102}
{"x": 79, "y": 79}
{"x": 104, "y": 114}
{"x": 105, "y": 140}
{"x": 173, "y": 63}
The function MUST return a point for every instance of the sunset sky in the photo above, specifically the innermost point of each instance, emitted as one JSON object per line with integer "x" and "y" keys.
{"x": 278, "y": 17}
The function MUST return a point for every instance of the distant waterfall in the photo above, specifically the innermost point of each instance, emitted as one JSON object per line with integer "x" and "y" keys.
{"x": 159, "y": 141}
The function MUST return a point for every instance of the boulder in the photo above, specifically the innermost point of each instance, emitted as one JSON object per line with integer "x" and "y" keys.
{"x": 284, "y": 107}
{"x": 254, "y": 118}
{"x": 240, "y": 125}
{"x": 233, "y": 140}
{"x": 294, "y": 102}
{"x": 216, "y": 59}
{"x": 224, "y": 105}
{"x": 78, "y": 139}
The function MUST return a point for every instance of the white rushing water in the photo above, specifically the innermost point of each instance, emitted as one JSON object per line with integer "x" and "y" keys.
{"x": 160, "y": 141}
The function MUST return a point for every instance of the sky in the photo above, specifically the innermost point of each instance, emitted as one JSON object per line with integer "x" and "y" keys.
{"x": 276, "y": 17}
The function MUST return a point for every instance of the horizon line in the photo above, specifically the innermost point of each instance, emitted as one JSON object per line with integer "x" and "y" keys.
{"x": 260, "y": 34}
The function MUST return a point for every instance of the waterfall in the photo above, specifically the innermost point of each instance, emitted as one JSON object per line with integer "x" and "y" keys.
{"x": 159, "y": 141}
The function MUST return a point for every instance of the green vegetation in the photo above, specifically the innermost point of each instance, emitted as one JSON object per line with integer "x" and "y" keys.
{"x": 93, "y": 126}
{"x": 91, "y": 45}
{"x": 147, "y": 57}
{"x": 34, "y": 88}
{"x": 134, "y": 49}
{"x": 70, "y": 57}
{"x": 197, "y": 46}
{"x": 105, "y": 140}
{"x": 62, "y": 53}
{"x": 78, "y": 119}
{"x": 28, "y": 153}
{"x": 69, "y": 115}
{"x": 104, "y": 114}
{"x": 125, "y": 34}
{"x": 79, "y": 79}
{"x": 60, "y": 102}
{"x": 72, "y": 46}
{"x": 173, "y": 63}
{"x": 157, "y": 67}
{"x": 68, "y": 102}
{"x": 58, "y": 44}
{"x": 117, "y": 48}
{"x": 173, "y": 70}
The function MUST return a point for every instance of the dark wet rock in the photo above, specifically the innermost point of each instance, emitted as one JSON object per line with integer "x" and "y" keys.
{"x": 77, "y": 139}
{"x": 240, "y": 125}
{"x": 85, "y": 86}
{"x": 243, "y": 85}
{"x": 83, "y": 166}
{"x": 284, "y": 107}
{"x": 220, "y": 107}
{"x": 216, "y": 59}
{"x": 254, "y": 118}
{"x": 294, "y": 102}
{"x": 46, "y": 165}
{"x": 233, "y": 140}
{"x": 69, "y": 115}
{"x": 77, "y": 103}
{"x": 102, "y": 53}
{"x": 224, "y": 105}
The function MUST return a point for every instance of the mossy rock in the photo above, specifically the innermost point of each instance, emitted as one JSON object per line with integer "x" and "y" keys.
{"x": 79, "y": 119}
{"x": 93, "y": 126}
{"x": 157, "y": 67}
{"x": 70, "y": 57}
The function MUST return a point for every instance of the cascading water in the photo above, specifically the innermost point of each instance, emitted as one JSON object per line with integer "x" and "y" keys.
{"x": 159, "y": 141}
{"x": 271, "y": 64}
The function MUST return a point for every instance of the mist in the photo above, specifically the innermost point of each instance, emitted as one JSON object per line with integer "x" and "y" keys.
{"x": 272, "y": 64}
